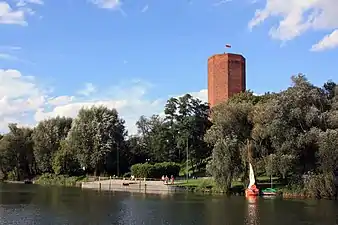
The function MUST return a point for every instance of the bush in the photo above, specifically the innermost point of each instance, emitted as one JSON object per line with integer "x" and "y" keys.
{"x": 53, "y": 179}
{"x": 12, "y": 176}
{"x": 320, "y": 185}
{"x": 156, "y": 170}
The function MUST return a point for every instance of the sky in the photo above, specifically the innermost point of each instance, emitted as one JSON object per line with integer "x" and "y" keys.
{"x": 57, "y": 56}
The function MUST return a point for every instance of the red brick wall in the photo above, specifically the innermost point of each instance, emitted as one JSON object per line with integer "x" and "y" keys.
{"x": 226, "y": 77}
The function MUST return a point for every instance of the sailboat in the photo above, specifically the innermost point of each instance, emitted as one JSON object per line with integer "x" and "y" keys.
{"x": 269, "y": 191}
{"x": 252, "y": 190}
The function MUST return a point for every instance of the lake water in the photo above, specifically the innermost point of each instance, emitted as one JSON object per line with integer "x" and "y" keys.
{"x": 33, "y": 204}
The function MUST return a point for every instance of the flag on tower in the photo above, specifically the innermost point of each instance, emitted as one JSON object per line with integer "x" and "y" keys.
{"x": 228, "y": 46}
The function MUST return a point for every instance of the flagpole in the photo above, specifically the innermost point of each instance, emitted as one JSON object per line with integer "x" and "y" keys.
{"x": 227, "y": 46}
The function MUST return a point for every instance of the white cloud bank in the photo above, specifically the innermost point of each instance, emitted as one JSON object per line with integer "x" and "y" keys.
{"x": 22, "y": 101}
{"x": 17, "y": 15}
{"x": 11, "y": 16}
{"x": 107, "y": 4}
{"x": 299, "y": 16}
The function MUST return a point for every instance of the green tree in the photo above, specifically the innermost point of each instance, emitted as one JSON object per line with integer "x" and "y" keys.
{"x": 287, "y": 121}
{"x": 98, "y": 137}
{"x": 154, "y": 138}
{"x": 136, "y": 151}
{"x": 231, "y": 122}
{"x": 328, "y": 152}
{"x": 47, "y": 137}
{"x": 271, "y": 165}
{"x": 188, "y": 120}
{"x": 285, "y": 164}
{"x": 225, "y": 162}
{"x": 65, "y": 161}
{"x": 16, "y": 152}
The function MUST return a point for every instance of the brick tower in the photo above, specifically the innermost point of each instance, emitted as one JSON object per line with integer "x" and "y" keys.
{"x": 226, "y": 77}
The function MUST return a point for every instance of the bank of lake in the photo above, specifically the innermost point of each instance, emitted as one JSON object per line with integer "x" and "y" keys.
{"x": 204, "y": 185}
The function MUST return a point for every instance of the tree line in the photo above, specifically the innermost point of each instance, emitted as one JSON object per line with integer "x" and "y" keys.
{"x": 288, "y": 134}
{"x": 96, "y": 142}
{"x": 292, "y": 134}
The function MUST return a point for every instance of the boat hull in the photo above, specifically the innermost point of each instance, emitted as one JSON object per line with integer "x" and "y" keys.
{"x": 251, "y": 192}
{"x": 269, "y": 192}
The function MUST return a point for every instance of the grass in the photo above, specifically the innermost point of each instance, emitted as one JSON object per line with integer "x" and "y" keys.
{"x": 208, "y": 184}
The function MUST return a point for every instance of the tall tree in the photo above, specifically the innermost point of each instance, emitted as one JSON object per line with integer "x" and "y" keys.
{"x": 231, "y": 126}
{"x": 154, "y": 137}
{"x": 98, "y": 137}
{"x": 188, "y": 118}
{"x": 16, "y": 152}
{"x": 47, "y": 137}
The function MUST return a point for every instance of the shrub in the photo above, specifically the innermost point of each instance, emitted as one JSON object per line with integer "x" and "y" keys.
{"x": 53, "y": 179}
{"x": 155, "y": 170}
{"x": 12, "y": 175}
{"x": 320, "y": 185}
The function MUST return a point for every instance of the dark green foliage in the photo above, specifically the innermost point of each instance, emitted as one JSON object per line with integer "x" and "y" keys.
{"x": 63, "y": 180}
{"x": 65, "y": 161}
{"x": 157, "y": 170}
{"x": 98, "y": 139}
{"x": 47, "y": 137}
{"x": 16, "y": 153}
{"x": 142, "y": 170}
{"x": 298, "y": 127}
{"x": 320, "y": 185}
{"x": 183, "y": 128}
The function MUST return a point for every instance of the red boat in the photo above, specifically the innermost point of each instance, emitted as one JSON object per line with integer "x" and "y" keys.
{"x": 252, "y": 191}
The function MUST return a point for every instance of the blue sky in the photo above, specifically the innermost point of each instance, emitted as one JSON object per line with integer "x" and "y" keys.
{"x": 57, "y": 56}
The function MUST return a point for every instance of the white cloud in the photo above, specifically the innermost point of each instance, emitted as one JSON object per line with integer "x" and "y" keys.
{"x": 110, "y": 4}
{"x": 298, "y": 16}
{"x": 145, "y": 8}
{"x": 19, "y": 96}
{"x": 21, "y": 3}
{"x": 202, "y": 95}
{"x": 89, "y": 89}
{"x": 221, "y": 2}
{"x": 10, "y": 48}
{"x": 60, "y": 100}
{"x": 7, "y": 56}
{"x": 11, "y": 16}
{"x": 328, "y": 42}
{"x": 107, "y": 4}
{"x": 22, "y": 101}
{"x": 11, "y": 57}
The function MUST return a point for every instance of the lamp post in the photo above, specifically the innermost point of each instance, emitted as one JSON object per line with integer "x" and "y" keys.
{"x": 187, "y": 159}
{"x": 187, "y": 155}
{"x": 117, "y": 161}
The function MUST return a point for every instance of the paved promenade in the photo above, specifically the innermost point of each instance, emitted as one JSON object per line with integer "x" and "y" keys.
{"x": 140, "y": 186}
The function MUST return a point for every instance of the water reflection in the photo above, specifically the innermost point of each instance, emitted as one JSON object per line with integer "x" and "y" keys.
{"x": 252, "y": 211}
{"x": 27, "y": 204}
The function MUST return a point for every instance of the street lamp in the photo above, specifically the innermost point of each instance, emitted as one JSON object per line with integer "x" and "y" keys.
{"x": 168, "y": 150}
{"x": 117, "y": 161}
{"x": 187, "y": 153}
{"x": 187, "y": 159}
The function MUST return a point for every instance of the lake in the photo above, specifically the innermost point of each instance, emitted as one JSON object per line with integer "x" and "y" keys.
{"x": 33, "y": 204}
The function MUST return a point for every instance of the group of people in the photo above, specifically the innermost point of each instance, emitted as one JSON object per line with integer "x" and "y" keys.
{"x": 165, "y": 179}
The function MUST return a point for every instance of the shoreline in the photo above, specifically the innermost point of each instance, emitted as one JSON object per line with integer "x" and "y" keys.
{"x": 157, "y": 187}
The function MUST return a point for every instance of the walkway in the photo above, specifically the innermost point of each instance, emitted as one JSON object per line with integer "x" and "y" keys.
{"x": 131, "y": 186}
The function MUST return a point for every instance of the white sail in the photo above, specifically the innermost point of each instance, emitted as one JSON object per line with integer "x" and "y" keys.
{"x": 251, "y": 176}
